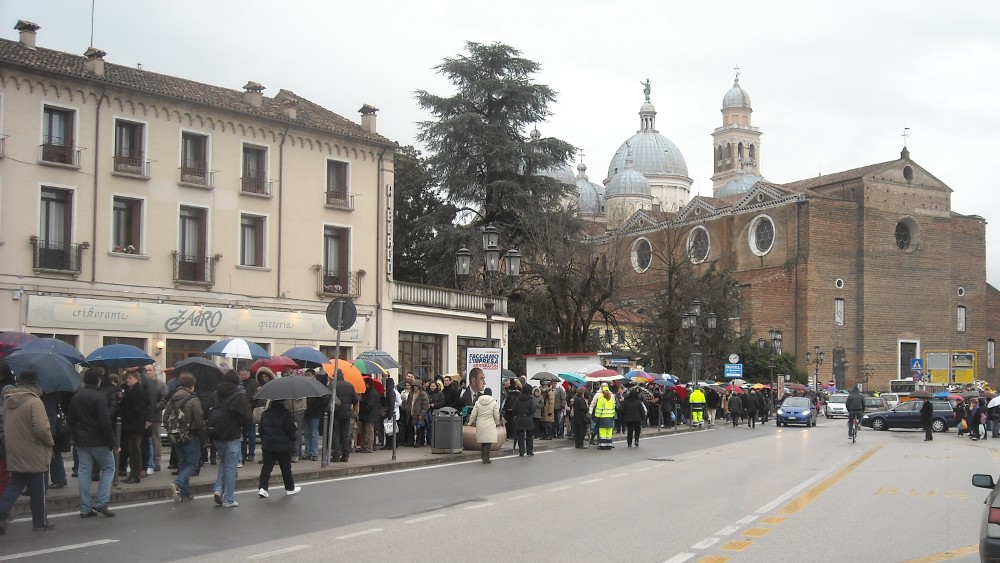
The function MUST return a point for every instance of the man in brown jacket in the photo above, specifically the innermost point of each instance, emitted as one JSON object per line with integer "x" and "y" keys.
{"x": 29, "y": 449}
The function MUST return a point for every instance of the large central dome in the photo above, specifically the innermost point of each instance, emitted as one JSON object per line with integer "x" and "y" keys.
{"x": 652, "y": 153}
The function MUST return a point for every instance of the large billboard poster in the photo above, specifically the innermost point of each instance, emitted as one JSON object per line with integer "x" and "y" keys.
{"x": 484, "y": 366}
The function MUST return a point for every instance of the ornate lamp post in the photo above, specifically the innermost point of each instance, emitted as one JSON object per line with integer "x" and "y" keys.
{"x": 690, "y": 322}
{"x": 869, "y": 371}
{"x": 491, "y": 271}
{"x": 815, "y": 358}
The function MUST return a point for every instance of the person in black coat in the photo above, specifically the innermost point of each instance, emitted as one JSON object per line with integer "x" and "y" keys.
{"x": 750, "y": 406}
{"x": 277, "y": 435}
{"x": 632, "y": 414}
{"x": 133, "y": 410}
{"x": 581, "y": 417}
{"x": 524, "y": 422}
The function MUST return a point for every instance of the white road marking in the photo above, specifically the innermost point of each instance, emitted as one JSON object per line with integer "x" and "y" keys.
{"x": 617, "y": 475}
{"x": 562, "y": 488}
{"x": 727, "y": 530}
{"x": 55, "y": 549}
{"x": 425, "y": 518}
{"x": 746, "y": 520}
{"x": 657, "y": 465}
{"x": 705, "y": 543}
{"x": 641, "y": 469}
{"x": 279, "y": 552}
{"x": 519, "y": 497}
{"x": 359, "y": 534}
{"x": 679, "y": 558}
{"x": 478, "y": 506}
{"x": 589, "y": 481}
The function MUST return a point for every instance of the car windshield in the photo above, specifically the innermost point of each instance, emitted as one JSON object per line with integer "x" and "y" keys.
{"x": 838, "y": 398}
{"x": 873, "y": 402}
{"x": 800, "y": 402}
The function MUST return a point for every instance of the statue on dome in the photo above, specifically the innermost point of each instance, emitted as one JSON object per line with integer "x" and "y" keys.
{"x": 645, "y": 88}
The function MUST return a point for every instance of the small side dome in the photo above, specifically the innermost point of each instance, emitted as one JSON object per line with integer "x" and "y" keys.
{"x": 628, "y": 182}
{"x": 561, "y": 173}
{"x": 741, "y": 184}
{"x": 590, "y": 196}
{"x": 736, "y": 97}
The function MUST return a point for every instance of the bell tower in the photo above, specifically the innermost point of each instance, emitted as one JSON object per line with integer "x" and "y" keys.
{"x": 736, "y": 145}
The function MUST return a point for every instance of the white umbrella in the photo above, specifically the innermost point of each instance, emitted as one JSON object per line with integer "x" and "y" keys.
{"x": 237, "y": 348}
{"x": 995, "y": 401}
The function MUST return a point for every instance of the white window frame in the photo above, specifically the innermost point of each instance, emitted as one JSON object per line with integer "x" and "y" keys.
{"x": 962, "y": 318}
{"x": 752, "y": 238}
{"x": 839, "y": 313}
{"x": 635, "y": 255}
{"x": 690, "y": 244}
{"x": 263, "y": 238}
{"x": 143, "y": 242}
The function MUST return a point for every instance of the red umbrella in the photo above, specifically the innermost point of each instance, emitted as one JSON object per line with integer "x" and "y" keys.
{"x": 604, "y": 375}
{"x": 378, "y": 384}
{"x": 277, "y": 364}
{"x": 795, "y": 386}
{"x": 11, "y": 340}
{"x": 734, "y": 388}
{"x": 682, "y": 392}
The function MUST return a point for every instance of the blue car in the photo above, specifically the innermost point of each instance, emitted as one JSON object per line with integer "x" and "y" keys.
{"x": 796, "y": 410}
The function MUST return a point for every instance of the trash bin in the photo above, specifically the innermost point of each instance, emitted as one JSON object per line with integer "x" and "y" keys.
{"x": 447, "y": 436}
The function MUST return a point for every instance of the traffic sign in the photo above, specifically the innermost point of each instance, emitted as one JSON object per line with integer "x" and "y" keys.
{"x": 917, "y": 364}
{"x": 734, "y": 370}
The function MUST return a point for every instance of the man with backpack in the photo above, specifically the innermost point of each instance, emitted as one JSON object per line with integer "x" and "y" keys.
{"x": 224, "y": 424}
{"x": 185, "y": 426}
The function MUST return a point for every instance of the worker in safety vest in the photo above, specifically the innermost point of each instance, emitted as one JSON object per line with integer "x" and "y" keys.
{"x": 697, "y": 400}
{"x": 604, "y": 414}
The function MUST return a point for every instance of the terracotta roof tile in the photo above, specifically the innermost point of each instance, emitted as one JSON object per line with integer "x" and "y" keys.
{"x": 308, "y": 114}
{"x": 836, "y": 178}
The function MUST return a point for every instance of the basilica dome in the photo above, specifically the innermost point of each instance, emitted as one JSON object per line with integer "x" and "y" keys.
{"x": 628, "y": 182}
{"x": 652, "y": 153}
{"x": 590, "y": 196}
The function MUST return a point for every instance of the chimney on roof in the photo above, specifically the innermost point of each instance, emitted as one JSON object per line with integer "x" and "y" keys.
{"x": 95, "y": 61}
{"x": 27, "y": 30}
{"x": 368, "y": 118}
{"x": 252, "y": 94}
{"x": 289, "y": 105}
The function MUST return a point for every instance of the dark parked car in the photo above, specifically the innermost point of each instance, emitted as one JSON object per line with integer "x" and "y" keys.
{"x": 907, "y": 415}
{"x": 796, "y": 410}
{"x": 989, "y": 528}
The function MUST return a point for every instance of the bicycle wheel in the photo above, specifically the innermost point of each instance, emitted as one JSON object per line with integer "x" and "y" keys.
{"x": 854, "y": 432}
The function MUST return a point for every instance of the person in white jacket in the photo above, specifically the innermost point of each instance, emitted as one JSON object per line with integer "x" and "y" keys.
{"x": 486, "y": 418}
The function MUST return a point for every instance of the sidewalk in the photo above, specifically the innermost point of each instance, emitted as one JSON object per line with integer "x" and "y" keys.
{"x": 157, "y": 485}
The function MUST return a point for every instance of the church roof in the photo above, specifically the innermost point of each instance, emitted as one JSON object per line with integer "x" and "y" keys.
{"x": 308, "y": 114}
{"x": 835, "y": 178}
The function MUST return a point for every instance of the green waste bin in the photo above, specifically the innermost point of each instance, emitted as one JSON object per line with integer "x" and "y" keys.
{"x": 447, "y": 434}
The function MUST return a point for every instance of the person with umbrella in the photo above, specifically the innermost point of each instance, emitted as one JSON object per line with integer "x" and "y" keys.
{"x": 343, "y": 413}
{"x": 29, "y": 449}
{"x": 248, "y": 447}
{"x": 315, "y": 408}
{"x": 277, "y": 437}
{"x": 926, "y": 419}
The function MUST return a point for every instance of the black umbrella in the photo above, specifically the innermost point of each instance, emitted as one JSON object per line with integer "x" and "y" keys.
{"x": 206, "y": 374}
{"x": 545, "y": 376}
{"x": 55, "y": 372}
{"x": 54, "y": 345}
{"x": 920, "y": 394}
{"x": 292, "y": 387}
{"x": 507, "y": 374}
{"x": 306, "y": 356}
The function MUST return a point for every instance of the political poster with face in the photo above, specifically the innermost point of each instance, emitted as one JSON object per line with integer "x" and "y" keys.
{"x": 484, "y": 365}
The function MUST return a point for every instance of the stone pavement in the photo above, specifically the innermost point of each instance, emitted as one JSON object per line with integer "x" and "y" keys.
{"x": 157, "y": 485}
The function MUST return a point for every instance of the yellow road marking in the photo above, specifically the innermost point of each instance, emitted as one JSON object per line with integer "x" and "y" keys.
{"x": 946, "y": 555}
{"x": 996, "y": 454}
{"x": 772, "y": 520}
{"x": 737, "y": 545}
{"x": 807, "y": 497}
{"x": 713, "y": 559}
{"x": 756, "y": 532}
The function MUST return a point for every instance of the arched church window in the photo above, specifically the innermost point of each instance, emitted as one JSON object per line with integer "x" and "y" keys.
{"x": 642, "y": 255}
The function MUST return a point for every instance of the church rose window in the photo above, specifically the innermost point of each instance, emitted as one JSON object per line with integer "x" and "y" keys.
{"x": 698, "y": 244}
{"x": 761, "y": 235}
{"x": 642, "y": 255}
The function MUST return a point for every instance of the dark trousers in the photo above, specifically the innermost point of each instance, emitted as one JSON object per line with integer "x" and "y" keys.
{"x": 996, "y": 428}
{"x": 284, "y": 460}
{"x": 133, "y": 445}
{"x": 560, "y": 427}
{"x": 580, "y": 433}
{"x": 752, "y": 419}
{"x": 35, "y": 482}
{"x": 147, "y": 449}
{"x": 634, "y": 429}
{"x": 341, "y": 444}
{"x": 248, "y": 447}
{"x": 525, "y": 442}
{"x": 928, "y": 430}
{"x": 485, "y": 447}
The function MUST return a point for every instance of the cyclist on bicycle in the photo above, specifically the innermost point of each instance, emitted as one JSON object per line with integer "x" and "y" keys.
{"x": 855, "y": 409}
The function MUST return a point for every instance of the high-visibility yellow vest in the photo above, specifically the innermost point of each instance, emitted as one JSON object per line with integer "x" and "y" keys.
{"x": 605, "y": 408}
{"x": 697, "y": 396}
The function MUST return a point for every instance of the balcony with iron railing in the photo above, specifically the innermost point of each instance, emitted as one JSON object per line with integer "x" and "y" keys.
{"x": 194, "y": 269}
{"x": 441, "y": 298}
{"x": 60, "y": 155}
{"x": 343, "y": 283}
{"x": 196, "y": 176}
{"x": 255, "y": 186}
{"x": 131, "y": 166}
{"x": 340, "y": 200}
{"x": 56, "y": 256}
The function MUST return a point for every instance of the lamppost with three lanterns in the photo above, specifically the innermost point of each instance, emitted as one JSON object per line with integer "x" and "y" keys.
{"x": 490, "y": 271}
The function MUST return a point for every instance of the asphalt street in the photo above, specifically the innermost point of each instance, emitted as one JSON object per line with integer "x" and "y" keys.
{"x": 724, "y": 494}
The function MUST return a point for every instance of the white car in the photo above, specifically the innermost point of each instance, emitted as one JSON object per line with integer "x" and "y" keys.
{"x": 836, "y": 405}
{"x": 892, "y": 398}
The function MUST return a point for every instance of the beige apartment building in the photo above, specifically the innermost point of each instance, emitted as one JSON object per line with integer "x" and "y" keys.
{"x": 165, "y": 213}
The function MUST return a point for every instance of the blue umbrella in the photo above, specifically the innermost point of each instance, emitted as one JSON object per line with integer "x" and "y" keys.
{"x": 116, "y": 356}
{"x": 942, "y": 395}
{"x": 55, "y": 372}
{"x": 237, "y": 348}
{"x": 307, "y": 356}
{"x": 56, "y": 346}
{"x": 573, "y": 378}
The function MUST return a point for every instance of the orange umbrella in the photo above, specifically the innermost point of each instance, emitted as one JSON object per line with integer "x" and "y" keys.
{"x": 351, "y": 373}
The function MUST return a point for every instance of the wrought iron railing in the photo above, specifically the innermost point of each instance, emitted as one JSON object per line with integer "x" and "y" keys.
{"x": 429, "y": 296}
{"x": 194, "y": 268}
{"x": 61, "y": 154}
{"x": 341, "y": 200}
{"x": 56, "y": 255}
{"x": 339, "y": 282}
{"x": 254, "y": 185}
{"x": 131, "y": 165}
{"x": 196, "y": 175}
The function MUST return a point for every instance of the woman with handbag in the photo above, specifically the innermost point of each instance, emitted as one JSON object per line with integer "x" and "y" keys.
{"x": 486, "y": 419}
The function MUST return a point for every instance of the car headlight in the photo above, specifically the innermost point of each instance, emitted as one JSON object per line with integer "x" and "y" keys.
{"x": 865, "y": 416}
{"x": 780, "y": 411}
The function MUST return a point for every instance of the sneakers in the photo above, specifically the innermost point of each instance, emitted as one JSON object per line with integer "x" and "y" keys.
{"x": 217, "y": 496}
{"x": 233, "y": 504}
{"x": 175, "y": 492}
{"x": 294, "y": 491}
{"x": 262, "y": 493}
{"x": 239, "y": 464}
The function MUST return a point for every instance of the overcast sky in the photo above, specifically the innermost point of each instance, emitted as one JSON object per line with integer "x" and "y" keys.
{"x": 832, "y": 84}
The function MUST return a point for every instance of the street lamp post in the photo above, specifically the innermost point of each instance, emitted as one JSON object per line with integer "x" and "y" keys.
{"x": 815, "y": 358}
{"x": 490, "y": 271}
{"x": 690, "y": 323}
{"x": 869, "y": 371}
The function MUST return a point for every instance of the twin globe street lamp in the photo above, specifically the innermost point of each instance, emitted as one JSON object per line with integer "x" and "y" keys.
{"x": 690, "y": 323}
{"x": 815, "y": 358}
{"x": 869, "y": 371}
{"x": 490, "y": 271}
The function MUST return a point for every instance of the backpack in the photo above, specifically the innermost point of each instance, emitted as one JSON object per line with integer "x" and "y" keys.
{"x": 218, "y": 424}
{"x": 178, "y": 423}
